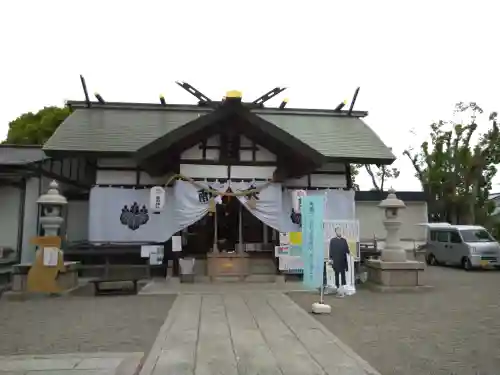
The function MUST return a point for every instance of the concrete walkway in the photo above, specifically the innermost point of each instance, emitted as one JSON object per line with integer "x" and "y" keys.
{"x": 247, "y": 334}
{"x": 173, "y": 286}
{"x": 71, "y": 364}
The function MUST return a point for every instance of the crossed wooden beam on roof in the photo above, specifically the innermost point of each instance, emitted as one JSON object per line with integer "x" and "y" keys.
{"x": 205, "y": 100}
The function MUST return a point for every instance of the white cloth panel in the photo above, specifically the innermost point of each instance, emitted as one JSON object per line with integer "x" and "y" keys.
{"x": 122, "y": 215}
{"x": 191, "y": 202}
{"x": 269, "y": 206}
{"x": 340, "y": 205}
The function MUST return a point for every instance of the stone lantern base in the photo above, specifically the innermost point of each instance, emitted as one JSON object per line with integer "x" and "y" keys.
{"x": 396, "y": 276}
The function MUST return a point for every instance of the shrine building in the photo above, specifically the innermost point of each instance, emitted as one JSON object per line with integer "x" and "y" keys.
{"x": 228, "y": 169}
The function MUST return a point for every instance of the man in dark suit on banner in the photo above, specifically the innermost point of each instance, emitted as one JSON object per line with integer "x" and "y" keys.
{"x": 338, "y": 252}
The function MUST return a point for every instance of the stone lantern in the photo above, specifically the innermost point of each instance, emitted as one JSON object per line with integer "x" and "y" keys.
{"x": 52, "y": 204}
{"x": 393, "y": 272}
{"x": 392, "y": 252}
{"x": 49, "y": 273}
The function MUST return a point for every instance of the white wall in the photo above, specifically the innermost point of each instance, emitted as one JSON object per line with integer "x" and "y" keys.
{"x": 114, "y": 177}
{"x": 337, "y": 181}
{"x": 370, "y": 220}
{"x": 77, "y": 220}
{"x": 203, "y": 171}
{"x": 30, "y": 228}
{"x": 10, "y": 197}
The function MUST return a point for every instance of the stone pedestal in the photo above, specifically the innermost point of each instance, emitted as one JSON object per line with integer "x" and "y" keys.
{"x": 396, "y": 276}
{"x": 67, "y": 281}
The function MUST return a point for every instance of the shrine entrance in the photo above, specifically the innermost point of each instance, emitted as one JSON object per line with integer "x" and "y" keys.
{"x": 230, "y": 242}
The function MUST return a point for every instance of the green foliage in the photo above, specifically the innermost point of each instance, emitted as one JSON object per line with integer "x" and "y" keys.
{"x": 354, "y": 173}
{"x": 36, "y": 128}
{"x": 456, "y": 175}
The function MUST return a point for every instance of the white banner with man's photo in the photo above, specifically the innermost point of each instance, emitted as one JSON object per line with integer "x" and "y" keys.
{"x": 343, "y": 233}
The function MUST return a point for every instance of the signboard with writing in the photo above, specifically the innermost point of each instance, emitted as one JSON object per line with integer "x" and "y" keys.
{"x": 291, "y": 264}
{"x": 312, "y": 212}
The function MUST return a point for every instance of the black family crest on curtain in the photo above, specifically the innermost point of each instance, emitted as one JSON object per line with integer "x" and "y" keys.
{"x": 135, "y": 216}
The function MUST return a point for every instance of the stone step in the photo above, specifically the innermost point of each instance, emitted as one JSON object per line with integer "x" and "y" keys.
{"x": 264, "y": 278}
{"x": 227, "y": 279}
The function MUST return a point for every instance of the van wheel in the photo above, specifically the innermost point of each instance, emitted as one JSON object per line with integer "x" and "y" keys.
{"x": 431, "y": 260}
{"x": 466, "y": 264}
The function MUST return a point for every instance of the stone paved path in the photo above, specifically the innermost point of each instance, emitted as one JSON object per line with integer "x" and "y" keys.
{"x": 164, "y": 287}
{"x": 247, "y": 334}
{"x": 71, "y": 364}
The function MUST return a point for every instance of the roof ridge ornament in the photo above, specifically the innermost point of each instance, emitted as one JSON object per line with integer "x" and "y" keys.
{"x": 233, "y": 94}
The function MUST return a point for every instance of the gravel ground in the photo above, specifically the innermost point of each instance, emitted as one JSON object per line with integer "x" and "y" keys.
{"x": 453, "y": 329}
{"x": 82, "y": 324}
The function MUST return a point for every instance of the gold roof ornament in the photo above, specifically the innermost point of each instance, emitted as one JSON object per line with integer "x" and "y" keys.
{"x": 232, "y": 94}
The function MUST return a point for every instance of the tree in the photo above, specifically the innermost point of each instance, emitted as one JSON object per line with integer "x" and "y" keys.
{"x": 354, "y": 172}
{"x": 455, "y": 174}
{"x": 36, "y": 128}
{"x": 381, "y": 175}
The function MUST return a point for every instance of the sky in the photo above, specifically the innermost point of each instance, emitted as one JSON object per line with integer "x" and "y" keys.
{"x": 412, "y": 59}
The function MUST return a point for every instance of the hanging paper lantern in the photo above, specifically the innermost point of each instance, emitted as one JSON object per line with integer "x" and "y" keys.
{"x": 297, "y": 196}
{"x": 157, "y": 199}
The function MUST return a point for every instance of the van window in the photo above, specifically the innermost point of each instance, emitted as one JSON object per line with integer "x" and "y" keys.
{"x": 433, "y": 235}
{"x": 442, "y": 236}
{"x": 476, "y": 235}
{"x": 455, "y": 237}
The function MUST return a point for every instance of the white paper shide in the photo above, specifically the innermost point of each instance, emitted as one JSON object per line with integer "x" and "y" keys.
{"x": 157, "y": 199}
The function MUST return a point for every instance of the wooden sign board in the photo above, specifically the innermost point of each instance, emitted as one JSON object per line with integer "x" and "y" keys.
{"x": 49, "y": 241}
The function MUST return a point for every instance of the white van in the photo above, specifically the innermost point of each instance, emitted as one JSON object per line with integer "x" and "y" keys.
{"x": 469, "y": 246}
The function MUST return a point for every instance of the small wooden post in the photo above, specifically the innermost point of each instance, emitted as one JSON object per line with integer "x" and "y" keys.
{"x": 240, "y": 228}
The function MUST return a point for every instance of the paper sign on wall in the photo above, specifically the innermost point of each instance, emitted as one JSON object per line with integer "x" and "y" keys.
{"x": 176, "y": 243}
{"x": 145, "y": 251}
{"x": 296, "y": 238}
{"x": 50, "y": 256}
{"x": 295, "y": 250}
{"x": 290, "y": 263}
{"x": 284, "y": 238}
{"x": 153, "y": 255}
{"x": 281, "y": 250}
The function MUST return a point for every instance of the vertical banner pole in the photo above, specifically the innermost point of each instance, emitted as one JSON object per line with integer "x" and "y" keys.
{"x": 312, "y": 213}
{"x": 322, "y": 292}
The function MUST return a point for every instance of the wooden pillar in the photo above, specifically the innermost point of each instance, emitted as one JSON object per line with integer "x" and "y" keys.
{"x": 216, "y": 248}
